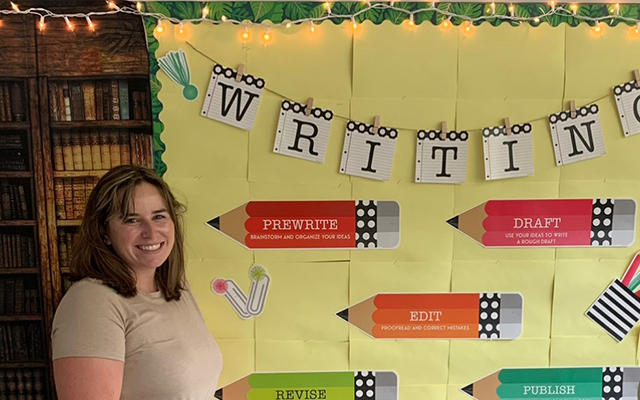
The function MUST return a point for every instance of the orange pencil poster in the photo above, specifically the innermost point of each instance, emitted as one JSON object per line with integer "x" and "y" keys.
{"x": 491, "y": 316}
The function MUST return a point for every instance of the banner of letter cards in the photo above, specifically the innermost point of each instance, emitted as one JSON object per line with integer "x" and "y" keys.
{"x": 441, "y": 157}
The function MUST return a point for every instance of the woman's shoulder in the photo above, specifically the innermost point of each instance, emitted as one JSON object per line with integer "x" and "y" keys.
{"x": 90, "y": 290}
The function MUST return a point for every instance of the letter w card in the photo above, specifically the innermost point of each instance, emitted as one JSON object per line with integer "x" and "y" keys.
{"x": 232, "y": 102}
{"x": 579, "y": 138}
{"x": 441, "y": 158}
{"x": 301, "y": 135}
{"x": 628, "y": 100}
{"x": 367, "y": 154}
{"x": 507, "y": 156}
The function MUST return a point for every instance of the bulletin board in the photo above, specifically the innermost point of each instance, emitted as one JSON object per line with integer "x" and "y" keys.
{"x": 413, "y": 78}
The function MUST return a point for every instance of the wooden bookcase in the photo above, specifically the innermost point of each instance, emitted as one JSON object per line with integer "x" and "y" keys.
{"x": 34, "y": 63}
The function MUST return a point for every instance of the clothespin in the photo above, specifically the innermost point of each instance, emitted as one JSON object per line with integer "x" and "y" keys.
{"x": 507, "y": 126}
{"x": 376, "y": 124}
{"x": 443, "y": 131}
{"x": 309, "y": 107}
{"x": 240, "y": 72}
{"x": 636, "y": 76}
{"x": 572, "y": 106}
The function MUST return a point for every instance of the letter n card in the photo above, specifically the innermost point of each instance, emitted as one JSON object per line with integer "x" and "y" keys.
{"x": 579, "y": 138}
{"x": 441, "y": 158}
{"x": 507, "y": 155}
{"x": 628, "y": 101}
{"x": 300, "y": 135}
{"x": 231, "y": 101}
{"x": 368, "y": 154}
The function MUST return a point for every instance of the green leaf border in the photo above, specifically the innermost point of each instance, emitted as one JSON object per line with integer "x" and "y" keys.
{"x": 278, "y": 12}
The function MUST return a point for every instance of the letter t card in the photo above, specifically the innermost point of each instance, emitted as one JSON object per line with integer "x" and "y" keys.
{"x": 303, "y": 132}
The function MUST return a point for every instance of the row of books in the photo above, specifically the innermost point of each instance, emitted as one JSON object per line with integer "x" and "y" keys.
{"x": 100, "y": 149}
{"x": 14, "y": 202}
{"x": 15, "y": 299}
{"x": 12, "y": 107}
{"x": 93, "y": 100}
{"x": 17, "y": 251}
{"x": 21, "y": 342}
{"x": 71, "y": 196}
{"x": 21, "y": 384}
{"x": 12, "y": 154}
{"x": 66, "y": 238}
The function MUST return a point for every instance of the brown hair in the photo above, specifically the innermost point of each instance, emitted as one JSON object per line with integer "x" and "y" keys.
{"x": 112, "y": 198}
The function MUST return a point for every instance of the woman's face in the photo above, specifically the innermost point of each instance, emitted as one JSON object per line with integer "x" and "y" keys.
{"x": 143, "y": 238}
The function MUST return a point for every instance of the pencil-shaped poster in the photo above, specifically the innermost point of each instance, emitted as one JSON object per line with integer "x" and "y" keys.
{"x": 340, "y": 224}
{"x": 617, "y": 309}
{"x": 550, "y": 223}
{"x": 438, "y": 316}
{"x": 596, "y": 383}
{"x": 347, "y": 385}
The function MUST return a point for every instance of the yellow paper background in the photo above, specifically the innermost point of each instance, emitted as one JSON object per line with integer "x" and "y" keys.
{"x": 413, "y": 78}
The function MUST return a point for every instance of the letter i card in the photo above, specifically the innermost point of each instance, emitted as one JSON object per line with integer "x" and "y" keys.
{"x": 577, "y": 138}
{"x": 232, "y": 97}
{"x": 507, "y": 154}
{"x": 303, "y": 132}
{"x": 368, "y": 154}
{"x": 441, "y": 158}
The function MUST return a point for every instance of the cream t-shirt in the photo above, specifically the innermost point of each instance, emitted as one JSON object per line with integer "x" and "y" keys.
{"x": 167, "y": 349}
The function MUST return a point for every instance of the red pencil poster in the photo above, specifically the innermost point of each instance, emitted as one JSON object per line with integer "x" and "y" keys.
{"x": 340, "y": 224}
{"x": 550, "y": 223}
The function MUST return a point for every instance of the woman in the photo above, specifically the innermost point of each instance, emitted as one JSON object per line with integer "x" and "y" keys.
{"x": 129, "y": 327}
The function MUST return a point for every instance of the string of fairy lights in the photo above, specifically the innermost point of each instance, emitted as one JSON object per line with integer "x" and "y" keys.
{"x": 569, "y": 10}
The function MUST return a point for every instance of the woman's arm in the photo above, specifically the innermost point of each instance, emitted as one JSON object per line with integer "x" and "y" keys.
{"x": 81, "y": 378}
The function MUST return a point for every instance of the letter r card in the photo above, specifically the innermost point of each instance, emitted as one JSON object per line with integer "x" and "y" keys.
{"x": 300, "y": 135}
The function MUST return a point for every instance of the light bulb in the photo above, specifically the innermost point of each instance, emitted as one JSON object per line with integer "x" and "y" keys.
{"x": 69, "y": 24}
{"x": 353, "y": 22}
{"x": 597, "y": 27}
{"x": 313, "y": 28}
{"x": 637, "y": 27}
{"x": 266, "y": 35}
{"x": 224, "y": 18}
{"x": 288, "y": 25}
{"x": 445, "y": 23}
{"x": 536, "y": 20}
{"x": 159, "y": 28}
{"x": 245, "y": 34}
{"x": 511, "y": 9}
{"x": 90, "y": 23}
{"x": 205, "y": 12}
{"x": 574, "y": 8}
{"x": 468, "y": 27}
{"x": 411, "y": 21}
{"x": 180, "y": 28}
{"x": 111, "y": 5}
{"x": 14, "y": 6}
{"x": 552, "y": 3}
{"x": 139, "y": 6}
{"x": 41, "y": 23}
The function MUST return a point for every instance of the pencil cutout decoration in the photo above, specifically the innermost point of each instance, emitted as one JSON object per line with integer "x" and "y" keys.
{"x": 617, "y": 310}
{"x": 550, "y": 223}
{"x": 490, "y": 316}
{"x": 347, "y": 385}
{"x": 174, "y": 64}
{"x": 234, "y": 295}
{"x": 340, "y": 224}
{"x": 258, "y": 291}
{"x": 595, "y": 383}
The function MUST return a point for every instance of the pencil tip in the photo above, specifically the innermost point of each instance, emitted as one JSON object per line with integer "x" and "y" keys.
{"x": 344, "y": 314}
{"x": 214, "y": 223}
{"x": 218, "y": 394}
{"x": 453, "y": 222}
{"x": 468, "y": 389}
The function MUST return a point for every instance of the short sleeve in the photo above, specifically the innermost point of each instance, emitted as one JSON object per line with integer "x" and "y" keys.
{"x": 89, "y": 323}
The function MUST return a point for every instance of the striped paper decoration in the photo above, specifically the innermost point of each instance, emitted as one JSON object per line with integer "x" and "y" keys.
{"x": 617, "y": 310}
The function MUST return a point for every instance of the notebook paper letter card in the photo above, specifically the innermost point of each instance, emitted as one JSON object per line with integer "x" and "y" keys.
{"x": 303, "y": 135}
{"x": 234, "y": 102}
{"x": 441, "y": 157}
{"x": 579, "y": 138}
{"x": 627, "y": 98}
{"x": 368, "y": 154}
{"x": 507, "y": 153}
